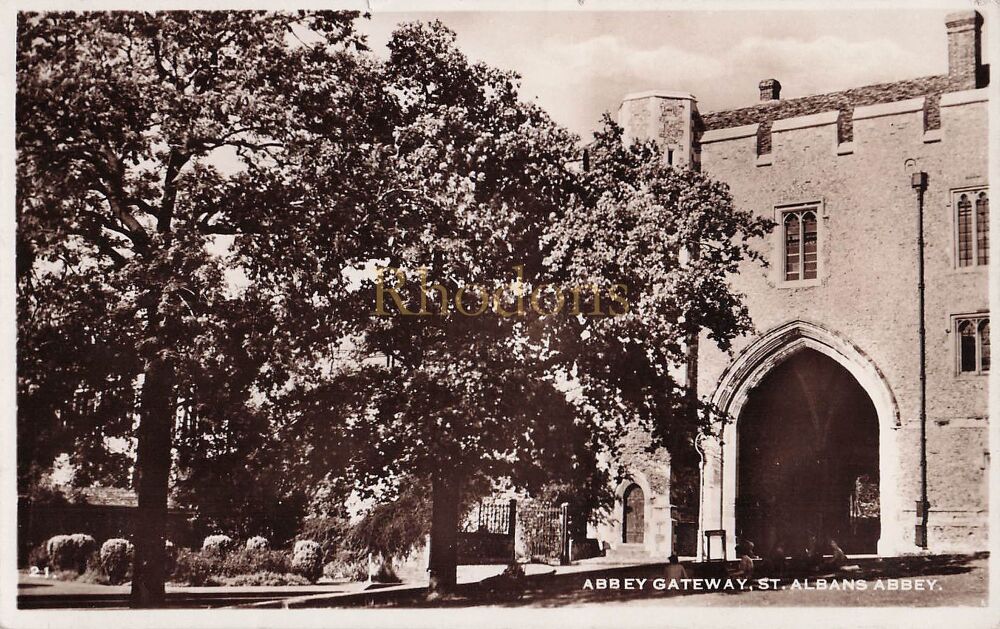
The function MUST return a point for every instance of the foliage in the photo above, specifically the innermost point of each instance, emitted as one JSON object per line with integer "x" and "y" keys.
{"x": 39, "y": 556}
{"x": 265, "y": 578}
{"x": 385, "y": 573}
{"x": 95, "y": 574}
{"x": 70, "y": 552}
{"x": 257, "y": 543}
{"x": 307, "y": 560}
{"x": 193, "y": 568}
{"x": 393, "y": 528}
{"x": 327, "y": 531}
{"x": 116, "y": 559}
{"x": 464, "y": 184}
{"x": 672, "y": 238}
{"x": 217, "y": 545}
{"x": 39, "y": 490}
{"x": 123, "y": 218}
{"x": 347, "y": 565}
{"x": 238, "y": 567}
{"x": 251, "y": 561}
{"x": 130, "y": 230}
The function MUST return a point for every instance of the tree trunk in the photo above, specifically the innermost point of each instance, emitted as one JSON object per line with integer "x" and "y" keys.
{"x": 444, "y": 533}
{"x": 152, "y": 483}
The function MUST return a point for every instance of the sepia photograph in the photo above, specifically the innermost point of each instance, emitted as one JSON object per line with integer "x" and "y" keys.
{"x": 436, "y": 314}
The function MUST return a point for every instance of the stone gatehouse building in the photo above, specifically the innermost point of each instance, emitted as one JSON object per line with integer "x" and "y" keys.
{"x": 826, "y": 396}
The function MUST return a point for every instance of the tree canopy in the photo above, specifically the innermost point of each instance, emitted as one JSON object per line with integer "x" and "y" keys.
{"x": 210, "y": 206}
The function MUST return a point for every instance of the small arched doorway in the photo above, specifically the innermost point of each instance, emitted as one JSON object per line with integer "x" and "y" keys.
{"x": 808, "y": 458}
{"x": 633, "y": 515}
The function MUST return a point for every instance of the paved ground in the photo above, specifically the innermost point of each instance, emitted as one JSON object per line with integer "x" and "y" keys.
{"x": 943, "y": 581}
{"x": 954, "y": 581}
{"x": 40, "y": 592}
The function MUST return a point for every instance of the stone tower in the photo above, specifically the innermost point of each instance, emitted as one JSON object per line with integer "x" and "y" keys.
{"x": 668, "y": 118}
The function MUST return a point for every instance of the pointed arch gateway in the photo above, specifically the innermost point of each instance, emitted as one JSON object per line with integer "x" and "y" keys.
{"x": 746, "y": 392}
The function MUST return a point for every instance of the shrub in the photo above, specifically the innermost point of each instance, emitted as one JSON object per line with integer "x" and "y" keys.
{"x": 329, "y": 532}
{"x": 195, "y": 569}
{"x": 258, "y": 543}
{"x": 347, "y": 566}
{"x": 70, "y": 552}
{"x": 251, "y": 561}
{"x": 217, "y": 545}
{"x": 38, "y": 557}
{"x": 307, "y": 560}
{"x": 64, "y": 575}
{"x": 265, "y": 578}
{"x": 305, "y": 544}
{"x": 116, "y": 558}
{"x": 94, "y": 574}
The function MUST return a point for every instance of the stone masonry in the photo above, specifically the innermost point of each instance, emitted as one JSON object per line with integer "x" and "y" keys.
{"x": 851, "y": 154}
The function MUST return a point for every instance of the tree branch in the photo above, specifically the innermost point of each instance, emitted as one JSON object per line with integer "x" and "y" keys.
{"x": 175, "y": 162}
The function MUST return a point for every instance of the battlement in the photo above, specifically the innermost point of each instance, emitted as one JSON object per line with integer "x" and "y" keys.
{"x": 842, "y": 132}
{"x": 673, "y": 121}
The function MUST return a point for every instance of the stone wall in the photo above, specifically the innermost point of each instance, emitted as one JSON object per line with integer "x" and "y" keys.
{"x": 867, "y": 285}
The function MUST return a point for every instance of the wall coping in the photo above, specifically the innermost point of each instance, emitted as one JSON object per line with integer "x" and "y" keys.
{"x": 658, "y": 94}
{"x": 802, "y": 122}
{"x": 950, "y": 99}
{"x": 889, "y": 109}
{"x": 729, "y": 133}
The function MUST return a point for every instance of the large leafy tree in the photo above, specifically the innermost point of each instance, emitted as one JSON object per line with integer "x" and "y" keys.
{"x": 143, "y": 141}
{"x": 672, "y": 239}
{"x": 333, "y": 163}
{"x": 464, "y": 178}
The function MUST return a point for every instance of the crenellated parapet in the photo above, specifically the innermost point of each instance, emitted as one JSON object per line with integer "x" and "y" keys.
{"x": 904, "y": 124}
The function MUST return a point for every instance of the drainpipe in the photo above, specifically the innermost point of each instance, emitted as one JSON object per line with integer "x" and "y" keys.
{"x": 918, "y": 182}
{"x": 701, "y": 499}
{"x": 722, "y": 479}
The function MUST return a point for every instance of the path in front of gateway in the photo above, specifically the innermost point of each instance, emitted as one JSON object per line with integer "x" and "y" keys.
{"x": 957, "y": 581}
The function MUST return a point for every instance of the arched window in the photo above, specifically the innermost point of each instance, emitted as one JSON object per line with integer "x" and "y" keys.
{"x": 973, "y": 344}
{"x": 984, "y": 345}
{"x": 801, "y": 238}
{"x": 982, "y": 228}
{"x": 972, "y": 228}
{"x": 964, "y": 230}
{"x": 967, "y": 345}
{"x": 791, "y": 246}
{"x": 809, "y": 237}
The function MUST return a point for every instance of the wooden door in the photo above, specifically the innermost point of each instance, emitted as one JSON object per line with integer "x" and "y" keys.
{"x": 633, "y": 525}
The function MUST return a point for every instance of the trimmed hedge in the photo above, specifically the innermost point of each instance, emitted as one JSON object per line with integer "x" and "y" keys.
{"x": 217, "y": 545}
{"x": 251, "y": 561}
{"x": 307, "y": 560}
{"x": 116, "y": 559}
{"x": 70, "y": 552}
{"x": 258, "y": 543}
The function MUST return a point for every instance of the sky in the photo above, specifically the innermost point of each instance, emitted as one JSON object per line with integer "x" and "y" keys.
{"x": 578, "y": 64}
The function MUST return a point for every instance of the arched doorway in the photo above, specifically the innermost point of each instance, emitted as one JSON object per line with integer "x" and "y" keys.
{"x": 808, "y": 458}
{"x": 633, "y": 515}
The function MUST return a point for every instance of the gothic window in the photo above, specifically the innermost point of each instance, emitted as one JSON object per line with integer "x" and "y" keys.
{"x": 972, "y": 222}
{"x": 982, "y": 228}
{"x": 973, "y": 344}
{"x": 984, "y": 345}
{"x": 801, "y": 245}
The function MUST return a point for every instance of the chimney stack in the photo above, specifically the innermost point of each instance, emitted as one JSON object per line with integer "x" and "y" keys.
{"x": 965, "y": 33}
{"x": 770, "y": 89}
